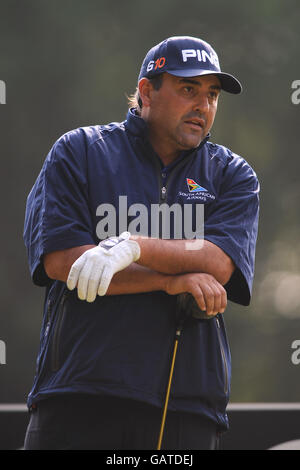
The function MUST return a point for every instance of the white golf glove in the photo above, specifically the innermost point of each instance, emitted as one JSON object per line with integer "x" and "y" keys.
{"x": 92, "y": 272}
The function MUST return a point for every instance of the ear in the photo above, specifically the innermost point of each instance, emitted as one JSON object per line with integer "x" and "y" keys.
{"x": 145, "y": 89}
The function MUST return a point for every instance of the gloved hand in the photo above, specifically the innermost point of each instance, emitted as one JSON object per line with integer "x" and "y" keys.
{"x": 92, "y": 272}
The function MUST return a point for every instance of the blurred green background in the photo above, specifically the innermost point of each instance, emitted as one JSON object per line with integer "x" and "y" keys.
{"x": 72, "y": 63}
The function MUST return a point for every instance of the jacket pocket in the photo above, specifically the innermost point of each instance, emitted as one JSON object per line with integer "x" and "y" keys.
{"x": 57, "y": 333}
{"x": 224, "y": 360}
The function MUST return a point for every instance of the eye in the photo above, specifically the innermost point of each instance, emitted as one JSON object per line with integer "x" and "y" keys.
{"x": 188, "y": 90}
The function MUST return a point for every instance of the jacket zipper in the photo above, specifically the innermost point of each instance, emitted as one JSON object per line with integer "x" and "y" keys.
{"x": 49, "y": 308}
{"x": 47, "y": 328}
{"x": 173, "y": 173}
{"x": 55, "y": 356}
{"x": 164, "y": 186}
{"x": 223, "y": 356}
{"x": 163, "y": 194}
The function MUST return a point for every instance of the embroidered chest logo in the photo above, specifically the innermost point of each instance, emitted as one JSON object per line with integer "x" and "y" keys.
{"x": 194, "y": 187}
{"x": 196, "y": 192}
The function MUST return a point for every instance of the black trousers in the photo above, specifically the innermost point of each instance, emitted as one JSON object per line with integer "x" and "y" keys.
{"x": 80, "y": 422}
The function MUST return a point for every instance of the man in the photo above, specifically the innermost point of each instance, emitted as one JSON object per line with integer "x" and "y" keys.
{"x": 110, "y": 310}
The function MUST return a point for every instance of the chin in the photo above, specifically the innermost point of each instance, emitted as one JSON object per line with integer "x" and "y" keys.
{"x": 191, "y": 143}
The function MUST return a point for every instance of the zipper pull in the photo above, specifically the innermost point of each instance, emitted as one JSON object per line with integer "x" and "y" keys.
{"x": 217, "y": 322}
{"x": 163, "y": 193}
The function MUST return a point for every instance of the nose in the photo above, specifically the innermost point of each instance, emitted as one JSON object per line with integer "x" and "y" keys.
{"x": 201, "y": 103}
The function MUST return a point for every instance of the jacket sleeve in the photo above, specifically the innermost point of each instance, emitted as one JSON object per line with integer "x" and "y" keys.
{"x": 233, "y": 226}
{"x": 57, "y": 213}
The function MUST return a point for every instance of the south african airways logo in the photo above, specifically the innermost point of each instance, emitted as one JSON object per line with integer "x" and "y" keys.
{"x": 196, "y": 193}
{"x": 194, "y": 187}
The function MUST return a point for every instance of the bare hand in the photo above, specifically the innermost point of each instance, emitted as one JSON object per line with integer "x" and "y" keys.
{"x": 209, "y": 294}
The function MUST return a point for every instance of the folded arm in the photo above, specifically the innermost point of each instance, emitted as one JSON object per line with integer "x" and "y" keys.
{"x": 163, "y": 256}
{"x": 159, "y": 272}
{"x": 178, "y": 256}
{"x": 131, "y": 280}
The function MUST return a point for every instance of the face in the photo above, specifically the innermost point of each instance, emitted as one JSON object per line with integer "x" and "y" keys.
{"x": 181, "y": 112}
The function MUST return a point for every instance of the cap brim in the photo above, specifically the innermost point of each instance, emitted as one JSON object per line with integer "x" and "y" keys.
{"x": 228, "y": 82}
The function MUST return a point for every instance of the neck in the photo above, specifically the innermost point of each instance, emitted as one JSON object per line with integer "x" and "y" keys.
{"x": 163, "y": 150}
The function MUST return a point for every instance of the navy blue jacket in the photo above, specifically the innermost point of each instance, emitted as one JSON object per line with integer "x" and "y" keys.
{"x": 121, "y": 345}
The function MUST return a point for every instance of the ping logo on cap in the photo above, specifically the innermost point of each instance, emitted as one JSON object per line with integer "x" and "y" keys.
{"x": 201, "y": 55}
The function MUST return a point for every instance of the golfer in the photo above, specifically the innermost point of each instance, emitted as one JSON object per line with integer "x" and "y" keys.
{"x": 122, "y": 219}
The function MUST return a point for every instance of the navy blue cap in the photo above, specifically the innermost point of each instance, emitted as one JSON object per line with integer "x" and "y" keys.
{"x": 185, "y": 56}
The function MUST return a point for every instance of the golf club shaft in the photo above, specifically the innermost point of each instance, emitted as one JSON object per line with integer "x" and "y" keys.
{"x": 162, "y": 426}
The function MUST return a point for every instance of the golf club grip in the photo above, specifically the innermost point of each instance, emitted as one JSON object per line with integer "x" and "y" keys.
{"x": 188, "y": 307}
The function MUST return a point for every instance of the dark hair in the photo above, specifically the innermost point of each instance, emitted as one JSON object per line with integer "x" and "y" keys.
{"x": 134, "y": 101}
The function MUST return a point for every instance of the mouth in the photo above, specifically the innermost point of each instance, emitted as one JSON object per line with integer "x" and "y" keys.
{"x": 195, "y": 123}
